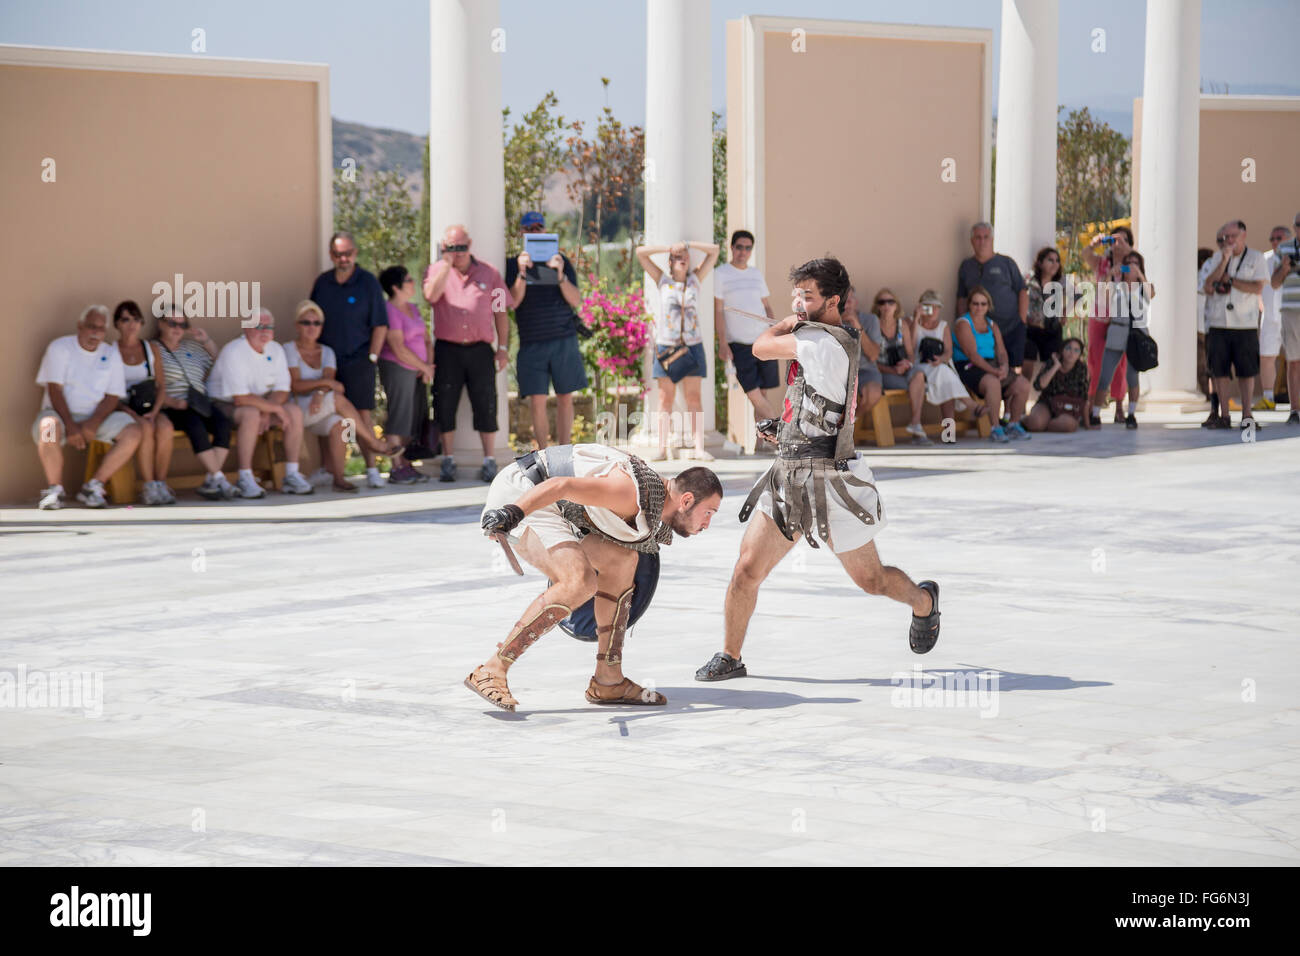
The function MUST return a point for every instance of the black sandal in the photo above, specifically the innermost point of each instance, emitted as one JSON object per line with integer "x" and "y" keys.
{"x": 721, "y": 667}
{"x": 924, "y": 633}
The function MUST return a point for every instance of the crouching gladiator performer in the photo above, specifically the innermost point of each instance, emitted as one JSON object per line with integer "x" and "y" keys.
{"x": 583, "y": 515}
{"x": 818, "y": 486}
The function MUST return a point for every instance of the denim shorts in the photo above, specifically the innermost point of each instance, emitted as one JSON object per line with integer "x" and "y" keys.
{"x": 538, "y": 364}
{"x": 692, "y": 363}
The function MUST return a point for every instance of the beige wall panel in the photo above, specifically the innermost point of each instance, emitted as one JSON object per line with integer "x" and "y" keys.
{"x": 213, "y": 177}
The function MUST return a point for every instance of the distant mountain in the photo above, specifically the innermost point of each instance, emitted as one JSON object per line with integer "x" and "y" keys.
{"x": 377, "y": 150}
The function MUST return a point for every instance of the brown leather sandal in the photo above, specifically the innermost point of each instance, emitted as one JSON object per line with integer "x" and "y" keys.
{"x": 624, "y": 692}
{"x": 491, "y": 688}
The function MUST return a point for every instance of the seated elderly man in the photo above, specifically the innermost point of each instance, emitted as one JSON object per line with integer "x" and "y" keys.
{"x": 249, "y": 383}
{"x": 84, "y": 381}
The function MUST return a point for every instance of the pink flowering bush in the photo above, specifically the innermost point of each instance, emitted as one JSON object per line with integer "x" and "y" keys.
{"x": 621, "y": 327}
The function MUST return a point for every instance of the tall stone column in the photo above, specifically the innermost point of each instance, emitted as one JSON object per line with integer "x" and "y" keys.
{"x": 679, "y": 153}
{"x": 1167, "y": 206}
{"x": 466, "y": 174}
{"x": 1025, "y": 205}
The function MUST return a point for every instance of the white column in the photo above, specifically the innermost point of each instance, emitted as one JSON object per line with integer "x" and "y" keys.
{"x": 1025, "y": 205}
{"x": 466, "y": 173}
{"x": 679, "y": 151}
{"x": 1167, "y": 212}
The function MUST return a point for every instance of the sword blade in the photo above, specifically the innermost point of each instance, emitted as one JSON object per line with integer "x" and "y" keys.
{"x": 510, "y": 555}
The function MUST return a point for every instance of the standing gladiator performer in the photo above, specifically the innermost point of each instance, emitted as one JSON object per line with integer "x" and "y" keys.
{"x": 818, "y": 487}
{"x": 583, "y": 515}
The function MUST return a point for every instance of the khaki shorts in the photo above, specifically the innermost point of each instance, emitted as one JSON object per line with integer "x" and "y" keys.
{"x": 108, "y": 431}
{"x": 548, "y": 524}
{"x": 1291, "y": 334}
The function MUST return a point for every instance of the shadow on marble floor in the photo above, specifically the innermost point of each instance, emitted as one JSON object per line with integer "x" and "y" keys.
{"x": 1007, "y": 680}
{"x": 699, "y": 699}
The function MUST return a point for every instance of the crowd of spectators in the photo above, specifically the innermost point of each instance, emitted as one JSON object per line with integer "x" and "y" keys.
{"x": 1005, "y": 346}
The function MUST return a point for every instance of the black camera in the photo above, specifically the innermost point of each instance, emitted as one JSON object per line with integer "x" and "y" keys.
{"x": 1223, "y": 286}
{"x": 463, "y": 247}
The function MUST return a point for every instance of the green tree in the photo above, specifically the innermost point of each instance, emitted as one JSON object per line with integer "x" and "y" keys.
{"x": 1093, "y": 163}
{"x": 534, "y": 150}
{"x": 720, "y": 187}
{"x": 606, "y": 174}
{"x": 380, "y": 212}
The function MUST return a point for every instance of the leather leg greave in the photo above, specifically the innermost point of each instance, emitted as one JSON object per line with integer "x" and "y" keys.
{"x": 618, "y": 629}
{"x": 527, "y": 632}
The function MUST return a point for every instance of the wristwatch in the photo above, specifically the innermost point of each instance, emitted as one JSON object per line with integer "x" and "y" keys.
{"x": 374, "y": 357}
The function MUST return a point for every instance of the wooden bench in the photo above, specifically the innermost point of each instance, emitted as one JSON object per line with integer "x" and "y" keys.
{"x": 124, "y": 487}
{"x": 878, "y": 426}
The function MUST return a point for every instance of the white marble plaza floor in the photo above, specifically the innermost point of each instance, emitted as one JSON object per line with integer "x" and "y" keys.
{"x": 280, "y": 682}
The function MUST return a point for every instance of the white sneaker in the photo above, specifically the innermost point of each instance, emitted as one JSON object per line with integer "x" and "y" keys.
{"x": 320, "y": 477}
{"x": 296, "y": 484}
{"x": 373, "y": 479}
{"x": 92, "y": 494}
{"x": 168, "y": 493}
{"x": 51, "y": 498}
{"x": 150, "y": 495}
{"x": 228, "y": 491}
{"x": 248, "y": 488}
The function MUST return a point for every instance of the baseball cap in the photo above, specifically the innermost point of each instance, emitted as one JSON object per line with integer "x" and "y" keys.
{"x": 532, "y": 218}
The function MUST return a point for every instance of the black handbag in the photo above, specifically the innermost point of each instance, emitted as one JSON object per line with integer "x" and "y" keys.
{"x": 427, "y": 442}
{"x": 929, "y": 350}
{"x": 194, "y": 398}
{"x": 141, "y": 396}
{"x": 1143, "y": 354}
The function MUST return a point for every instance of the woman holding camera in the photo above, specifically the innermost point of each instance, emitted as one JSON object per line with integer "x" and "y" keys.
{"x": 679, "y": 345}
{"x": 934, "y": 355}
{"x": 144, "y": 384}
{"x": 1062, "y": 392}
{"x": 1105, "y": 256}
{"x": 1128, "y": 306}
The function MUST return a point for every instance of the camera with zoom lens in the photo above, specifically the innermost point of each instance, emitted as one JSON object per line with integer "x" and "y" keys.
{"x": 1223, "y": 286}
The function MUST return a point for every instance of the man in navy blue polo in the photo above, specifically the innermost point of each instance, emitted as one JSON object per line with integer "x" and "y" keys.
{"x": 356, "y": 323}
{"x": 548, "y": 338}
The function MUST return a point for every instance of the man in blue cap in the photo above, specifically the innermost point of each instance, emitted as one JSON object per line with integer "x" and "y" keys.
{"x": 545, "y": 298}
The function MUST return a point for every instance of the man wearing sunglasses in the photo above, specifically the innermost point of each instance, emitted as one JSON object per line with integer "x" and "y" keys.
{"x": 356, "y": 326}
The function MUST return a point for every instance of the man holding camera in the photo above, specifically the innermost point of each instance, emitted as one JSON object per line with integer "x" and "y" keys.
{"x": 1286, "y": 289}
{"x": 545, "y": 296}
{"x": 469, "y": 313}
{"x": 1237, "y": 276}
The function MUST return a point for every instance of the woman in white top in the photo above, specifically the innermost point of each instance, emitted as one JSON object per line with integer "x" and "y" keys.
{"x": 1128, "y": 310}
{"x": 142, "y": 361}
{"x": 326, "y": 412}
{"x": 943, "y": 387}
{"x": 678, "y": 340}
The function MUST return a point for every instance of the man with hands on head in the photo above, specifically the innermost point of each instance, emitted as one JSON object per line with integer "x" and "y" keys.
{"x": 469, "y": 301}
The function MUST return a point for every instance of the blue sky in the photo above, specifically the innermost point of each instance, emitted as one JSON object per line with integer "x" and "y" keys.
{"x": 378, "y": 51}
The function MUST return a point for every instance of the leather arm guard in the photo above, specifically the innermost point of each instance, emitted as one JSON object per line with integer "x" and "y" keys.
{"x": 502, "y": 520}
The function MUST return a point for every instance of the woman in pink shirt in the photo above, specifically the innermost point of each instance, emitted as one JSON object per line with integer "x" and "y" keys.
{"x": 405, "y": 368}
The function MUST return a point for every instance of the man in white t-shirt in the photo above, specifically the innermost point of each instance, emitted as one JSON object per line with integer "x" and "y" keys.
{"x": 1270, "y": 324}
{"x": 83, "y": 380}
{"x": 1286, "y": 285}
{"x": 250, "y": 384}
{"x": 739, "y": 289}
{"x": 1237, "y": 276}
{"x": 818, "y": 486}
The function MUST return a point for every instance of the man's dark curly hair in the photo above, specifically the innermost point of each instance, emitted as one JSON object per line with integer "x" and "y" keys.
{"x": 829, "y": 274}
